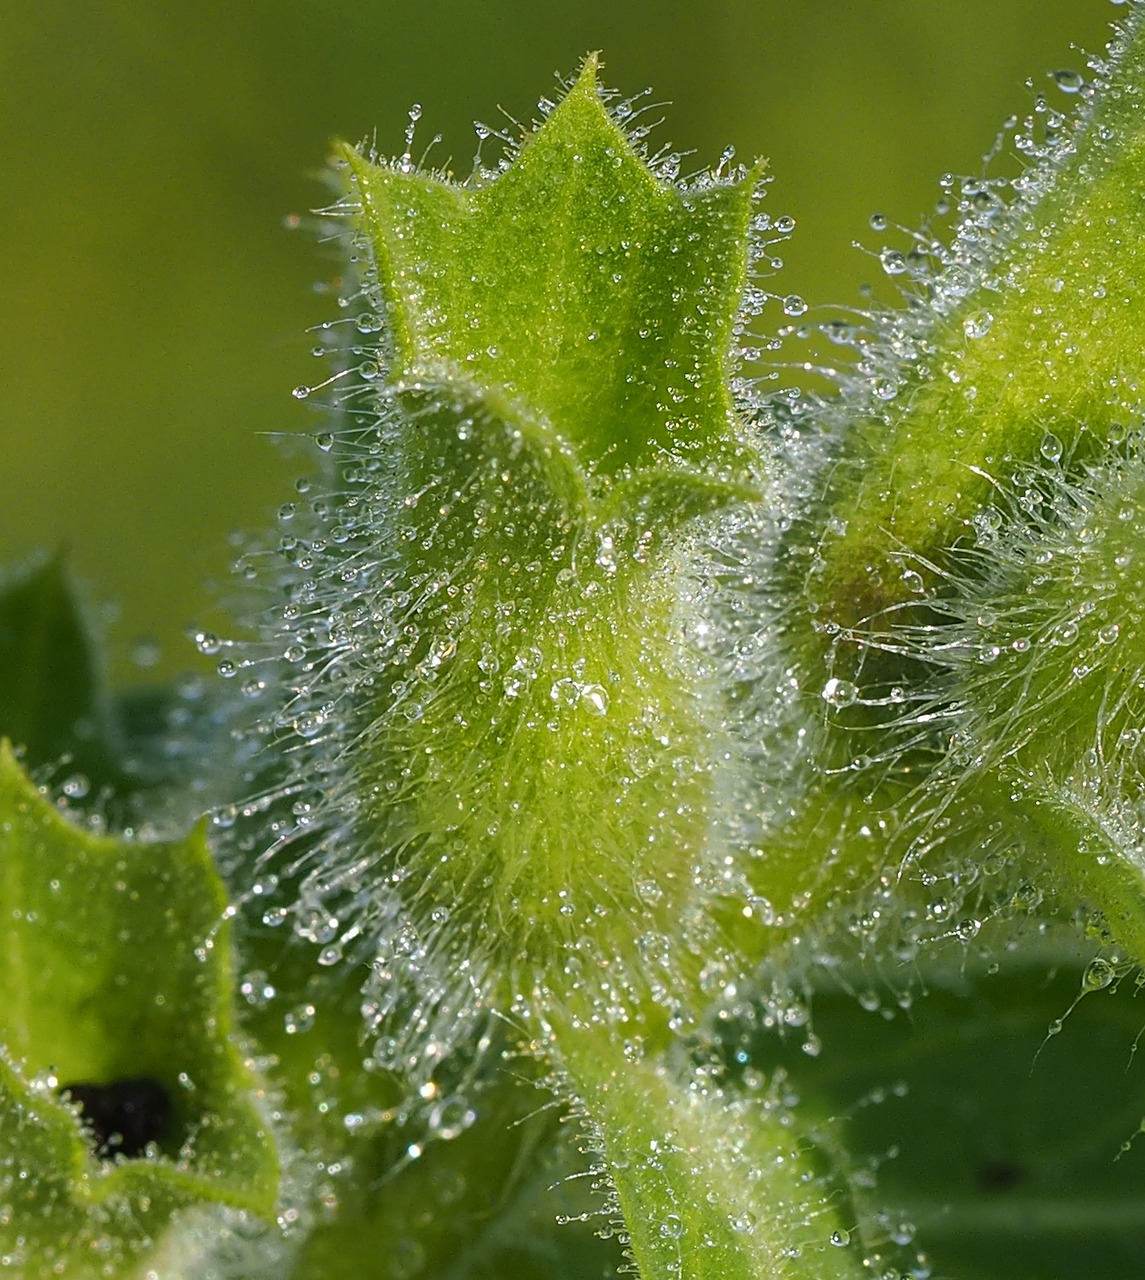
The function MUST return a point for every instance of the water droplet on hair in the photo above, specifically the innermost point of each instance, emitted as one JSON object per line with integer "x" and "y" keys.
{"x": 1068, "y": 81}
{"x": 894, "y": 263}
{"x": 840, "y": 693}
{"x": 1051, "y": 447}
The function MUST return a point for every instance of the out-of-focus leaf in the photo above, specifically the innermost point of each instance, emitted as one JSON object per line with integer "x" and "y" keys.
{"x": 115, "y": 968}
{"x": 993, "y": 1124}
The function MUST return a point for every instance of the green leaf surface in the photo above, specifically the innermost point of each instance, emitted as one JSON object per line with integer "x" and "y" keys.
{"x": 996, "y": 1117}
{"x": 615, "y": 292}
{"x": 52, "y": 701}
{"x": 114, "y": 960}
{"x": 490, "y": 1189}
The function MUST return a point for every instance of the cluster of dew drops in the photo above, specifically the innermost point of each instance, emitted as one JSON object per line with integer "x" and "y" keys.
{"x": 937, "y": 276}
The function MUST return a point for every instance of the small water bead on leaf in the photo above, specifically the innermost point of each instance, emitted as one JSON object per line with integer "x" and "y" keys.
{"x": 451, "y": 1117}
{"x": 672, "y": 1227}
{"x": 794, "y": 305}
{"x": 207, "y": 643}
{"x": 977, "y": 324}
{"x": 1051, "y": 447}
{"x": 299, "y": 1020}
{"x": 76, "y": 786}
{"x": 257, "y": 989}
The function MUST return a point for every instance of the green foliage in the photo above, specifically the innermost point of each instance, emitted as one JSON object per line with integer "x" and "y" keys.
{"x": 116, "y": 971}
{"x": 708, "y": 823}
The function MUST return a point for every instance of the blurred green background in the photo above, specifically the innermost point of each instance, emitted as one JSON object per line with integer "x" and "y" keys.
{"x": 154, "y": 308}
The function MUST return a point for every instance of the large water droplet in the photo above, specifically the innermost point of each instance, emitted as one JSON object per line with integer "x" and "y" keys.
{"x": 1069, "y": 81}
{"x": 840, "y": 693}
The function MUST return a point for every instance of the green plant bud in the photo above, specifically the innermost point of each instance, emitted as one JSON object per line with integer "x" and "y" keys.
{"x": 1021, "y": 340}
{"x": 511, "y": 734}
{"x": 1042, "y": 654}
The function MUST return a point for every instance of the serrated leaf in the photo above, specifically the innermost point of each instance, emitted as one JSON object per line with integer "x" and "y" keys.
{"x": 615, "y": 292}
{"x": 554, "y": 417}
{"x": 116, "y": 977}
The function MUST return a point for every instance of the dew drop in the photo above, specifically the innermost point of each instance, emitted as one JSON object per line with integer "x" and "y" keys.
{"x": 451, "y": 1117}
{"x": 894, "y": 263}
{"x": 299, "y": 1020}
{"x": 1051, "y": 447}
{"x": 1068, "y": 81}
{"x": 977, "y": 324}
{"x": 77, "y": 786}
{"x": 794, "y": 305}
{"x": 672, "y": 1228}
{"x": 840, "y": 693}
{"x": 1098, "y": 975}
{"x": 841, "y": 1238}
{"x": 256, "y": 990}
{"x": 594, "y": 699}
{"x": 649, "y": 891}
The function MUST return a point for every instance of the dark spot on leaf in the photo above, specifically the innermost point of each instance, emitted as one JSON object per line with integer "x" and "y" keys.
{"x": 1000, "y": 1175}
{"x": 124, "y": 1116}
